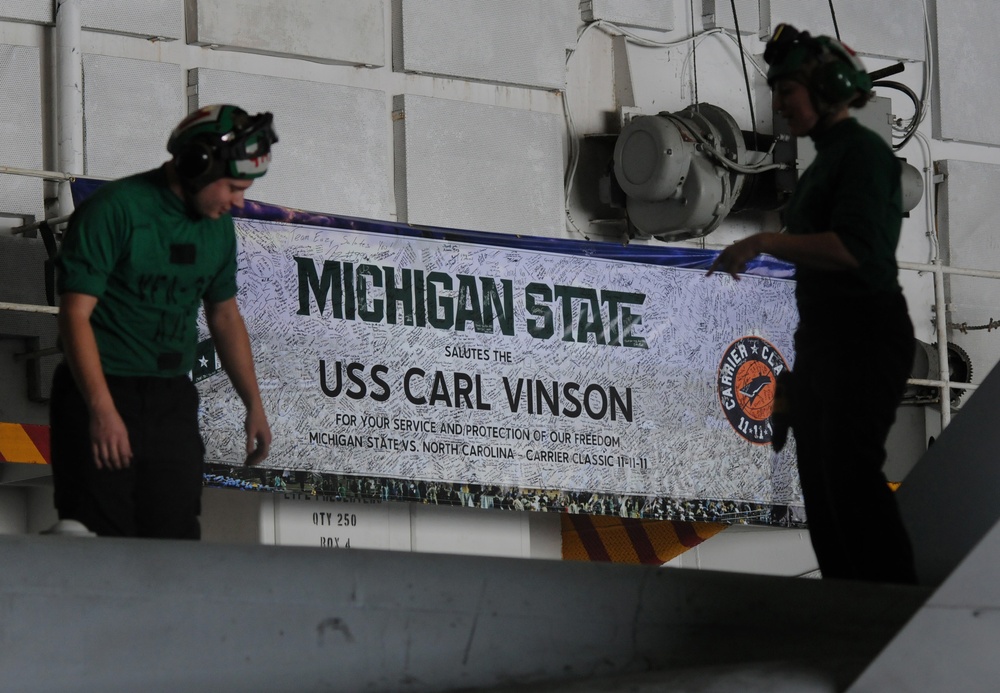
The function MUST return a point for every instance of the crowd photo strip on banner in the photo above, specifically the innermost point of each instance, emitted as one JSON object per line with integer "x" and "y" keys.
{"x": 504, "y": 371}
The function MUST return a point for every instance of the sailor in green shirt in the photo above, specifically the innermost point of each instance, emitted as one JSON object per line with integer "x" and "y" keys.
{"x": 140, "y": 256}
{"x": 854, "y": 342}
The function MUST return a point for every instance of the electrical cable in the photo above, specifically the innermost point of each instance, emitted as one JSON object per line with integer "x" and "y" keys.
{"x": 930, "y": 201}
{"x": 574, "y": 154}
{"x": 694, "y": 60}
{"x": 833, "y": 13}
{"x": 925, "y": 87}
{"x": 719, "y": 156}
{"x": 928, "y": 79}
{"x": 746, "y": 74}
{"x": 899, "y": 86}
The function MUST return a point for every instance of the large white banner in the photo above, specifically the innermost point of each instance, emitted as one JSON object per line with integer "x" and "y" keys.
{"x": 392, "y": 356}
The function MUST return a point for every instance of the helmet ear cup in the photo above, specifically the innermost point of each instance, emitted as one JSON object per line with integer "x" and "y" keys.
{"x": 194, "y": 160}
{"x": 841, "y": 76}
{"x": 835, "y": 82}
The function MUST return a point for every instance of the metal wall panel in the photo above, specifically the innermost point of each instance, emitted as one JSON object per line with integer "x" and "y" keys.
{"x": 333, "y": 153}
{"x": 967, "y": 55}
{"x": 42, "y": 11}
{"x": 331, "y": 31}
{"x": 159, "y": 18}
{"x": 969, "y": 218}
{"x": 130, "y": 107}
{"x": 479, "y": 167}
{"x": 525, "y": 44}
{"x": 641, "y": 13}
{"x": 21, "y": 125}
{"x": 886, "y": 29}
{"x": 719, "y": 14}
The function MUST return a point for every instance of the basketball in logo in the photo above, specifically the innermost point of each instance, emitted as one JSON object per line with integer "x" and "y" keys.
{"x": 746, "y": 378}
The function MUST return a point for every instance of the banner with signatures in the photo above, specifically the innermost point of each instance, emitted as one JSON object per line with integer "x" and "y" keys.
{"x": 418, "y": 357}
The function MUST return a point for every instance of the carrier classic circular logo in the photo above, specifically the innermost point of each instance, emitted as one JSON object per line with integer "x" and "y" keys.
{"x": 746, "y": 379}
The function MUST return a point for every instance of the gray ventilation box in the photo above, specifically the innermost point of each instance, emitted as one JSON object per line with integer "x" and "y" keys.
{"x": 470, "y": 166}
{"x": 326, "y": 31}
{"x": 893, "y": 30}
{"x": 524, "y": 44}
{"x": 333, "y": 149}
{"x": 876, "y": 116}
{"x": 163, "y": 19}
{"x": 21, "y": 121}
{"x": 130, "y": 107}
{"x": 637, "y": 13}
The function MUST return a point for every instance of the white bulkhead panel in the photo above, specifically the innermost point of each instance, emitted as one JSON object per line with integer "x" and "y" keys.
{"x": 639, "y": 13}
{"x": 471, "y": 166}
{"x": 967, "y": 56}
{"x": 330, "y": 31}
{"x": 524, "y": 45}
{"x": 28, "y": 11}
{"x": 885, "y": 29}
{"x": 153, "y": 18}
{"x": 21, "y": 122}
{"x": 130, "y": 107}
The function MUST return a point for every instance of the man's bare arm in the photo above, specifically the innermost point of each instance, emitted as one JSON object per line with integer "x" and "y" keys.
{"x": 108, "y": 435}
{"x": 232, "y": 344}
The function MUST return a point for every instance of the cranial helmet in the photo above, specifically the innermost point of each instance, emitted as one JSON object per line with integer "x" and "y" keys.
{"x": 828, "y": 68}
{"x": 221, "y": 141}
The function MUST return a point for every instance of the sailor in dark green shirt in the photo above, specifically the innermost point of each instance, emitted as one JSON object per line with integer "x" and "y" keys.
{"x": 144, "y": 322}
{"x": 854, "y": 342}
{"x": 140, "y": 256}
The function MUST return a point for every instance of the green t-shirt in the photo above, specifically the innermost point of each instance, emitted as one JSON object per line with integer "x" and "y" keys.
{"x": 853, "y": 188}
{"x": 133, "y": 246}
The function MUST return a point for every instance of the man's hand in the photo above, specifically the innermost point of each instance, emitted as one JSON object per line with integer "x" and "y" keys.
{"x": 258, "y": 437}
{"x": 108, "y": 436}
{"x": 734, "y": 259}
{"x": 109, "y": 440}
{"x": 232, "y": 344}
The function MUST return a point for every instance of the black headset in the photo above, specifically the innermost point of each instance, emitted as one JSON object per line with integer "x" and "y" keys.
{"x": 197, "y": 157}
{"x": 837, "y": 75}
{"x": 205, "y": 157}
{"x": 837, "y": 80}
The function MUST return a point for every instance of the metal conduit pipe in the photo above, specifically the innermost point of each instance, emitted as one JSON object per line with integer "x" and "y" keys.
{"x": 53, "y": 221}
{"x": 69, "y": 94}
{"x": 941, "y": 320}
{"x": 35, "y": 173}
{"x": 28, "y": 308}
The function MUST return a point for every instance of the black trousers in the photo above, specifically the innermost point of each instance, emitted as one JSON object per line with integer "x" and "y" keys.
{"x": 851, "y": 367}
{"x": 159, "y": 494}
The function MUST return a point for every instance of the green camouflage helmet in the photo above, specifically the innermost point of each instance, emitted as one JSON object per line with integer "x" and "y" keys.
{"x": 221, "y": 141}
